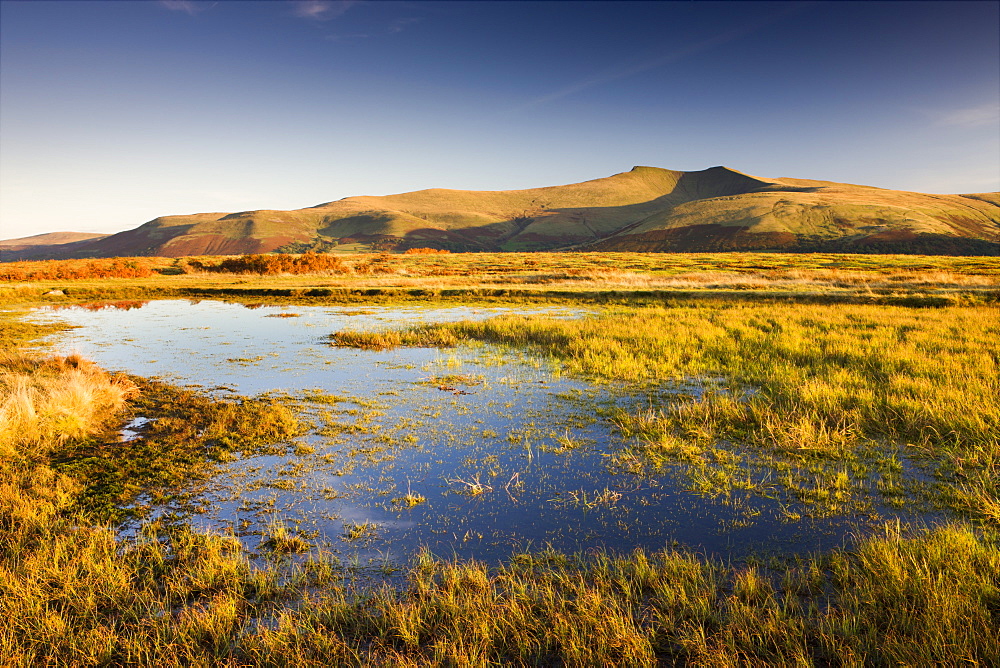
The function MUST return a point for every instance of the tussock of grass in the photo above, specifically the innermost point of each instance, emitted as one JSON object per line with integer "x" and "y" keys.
{"x": 360, "y": 532}
{"x": 409, "y": 500}
{"x": 46, "y": 401}
{"x": 280, "y": 538}
{"x": 387, "y": 339}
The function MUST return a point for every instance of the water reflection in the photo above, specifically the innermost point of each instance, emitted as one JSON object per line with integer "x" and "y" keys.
{"x": 126, "y": 305}
{"x": 472, "y": 452}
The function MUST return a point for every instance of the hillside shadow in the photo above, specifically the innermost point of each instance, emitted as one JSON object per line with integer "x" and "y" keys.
{"x": 583, "y": 225}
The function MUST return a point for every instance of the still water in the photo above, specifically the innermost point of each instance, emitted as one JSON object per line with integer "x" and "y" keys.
{"x": 469, "y": 452}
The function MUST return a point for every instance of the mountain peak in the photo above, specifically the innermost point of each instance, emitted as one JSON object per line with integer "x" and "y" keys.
{"x": 644, "y": 209}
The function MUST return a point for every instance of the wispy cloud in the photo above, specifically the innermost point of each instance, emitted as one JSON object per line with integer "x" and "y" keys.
{"x": 970, "y": 117}
{"x": 394, "y": 28}
{"x": 399, "y": 25}
{"x": 347, "y": 37}
{"x": 614, "y": 74}
{"x": 322, "y": 10}
{"x": 190, "y": 7}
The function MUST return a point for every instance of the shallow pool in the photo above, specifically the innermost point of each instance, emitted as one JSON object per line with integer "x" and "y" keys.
{"x": 468, "y": 452}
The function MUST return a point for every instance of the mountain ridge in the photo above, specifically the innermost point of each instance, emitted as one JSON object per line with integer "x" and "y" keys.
{"x": 645, "y": 208}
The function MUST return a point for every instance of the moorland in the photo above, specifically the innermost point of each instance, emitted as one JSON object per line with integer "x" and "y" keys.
{"x": 850, "y": 385}
{"x": 645, "y": 209}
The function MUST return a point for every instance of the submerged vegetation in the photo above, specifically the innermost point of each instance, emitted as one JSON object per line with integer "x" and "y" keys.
{"x": 183, "y": 434}
{"x": 830, "y": 399}
{"x": 825, "y": 407}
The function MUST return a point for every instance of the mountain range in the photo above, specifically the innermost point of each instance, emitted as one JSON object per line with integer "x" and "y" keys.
{"x": 645, "y": 209}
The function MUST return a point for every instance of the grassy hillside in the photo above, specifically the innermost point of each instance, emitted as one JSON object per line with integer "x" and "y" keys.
{"x": 645, "y": 209}
{"x": 43, "y": 246}
{"x": 815, "y": 215}
{"x": 49, "y": 239}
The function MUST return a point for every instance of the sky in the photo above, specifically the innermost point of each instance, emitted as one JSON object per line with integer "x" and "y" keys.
{"x": 114, "y": 113}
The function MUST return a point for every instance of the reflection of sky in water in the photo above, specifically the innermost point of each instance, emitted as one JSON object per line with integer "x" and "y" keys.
{"x": 533, "y": 441}
{"x": 214, "y": 343}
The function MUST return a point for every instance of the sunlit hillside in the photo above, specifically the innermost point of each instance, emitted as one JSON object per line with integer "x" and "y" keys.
{"x": 645, "y": 209}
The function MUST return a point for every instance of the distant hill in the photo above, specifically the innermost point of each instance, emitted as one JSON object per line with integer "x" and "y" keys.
{"x": 56, "y": 244}
{"x": 645, "y": 209}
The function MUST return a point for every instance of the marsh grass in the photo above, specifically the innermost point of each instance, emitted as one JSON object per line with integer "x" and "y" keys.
{"x": 363, "y": 532}
{"x": 48, "y": 401}
{"x": 471, "y": 487}
{"x": 409, "y": 500}
{"x": 279, "y": 538}
{"x": 187, "y": 435}
{"x": 581, "y": 498}
{"x": 387, "y": 339}
{"x": 925, "y": 599}
{"x": 45, "y": 400}
{"x": 826, "y": 397}
{"x": 514, "y": 277}
{"x": 72, "y": 593}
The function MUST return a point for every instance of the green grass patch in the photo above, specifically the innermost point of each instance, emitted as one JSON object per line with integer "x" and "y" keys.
{"x": 187, "y": 434}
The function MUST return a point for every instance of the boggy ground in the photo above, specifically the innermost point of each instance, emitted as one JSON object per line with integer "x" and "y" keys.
{"x": 824, "y": 404}
{"x": 840, "y": 400}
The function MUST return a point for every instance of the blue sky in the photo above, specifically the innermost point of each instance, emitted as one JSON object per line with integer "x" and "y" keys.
{"x": 113, "y": 113}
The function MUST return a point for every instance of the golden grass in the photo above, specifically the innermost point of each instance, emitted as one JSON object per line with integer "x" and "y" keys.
{"x": 823, "y": 275}
{"x": 45, "y": 402}
{"x": 802, "y": 392}
{"x": 925, "y": 375}
{"x": 808, "y": 382}
{"x": 80, "y": 598}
